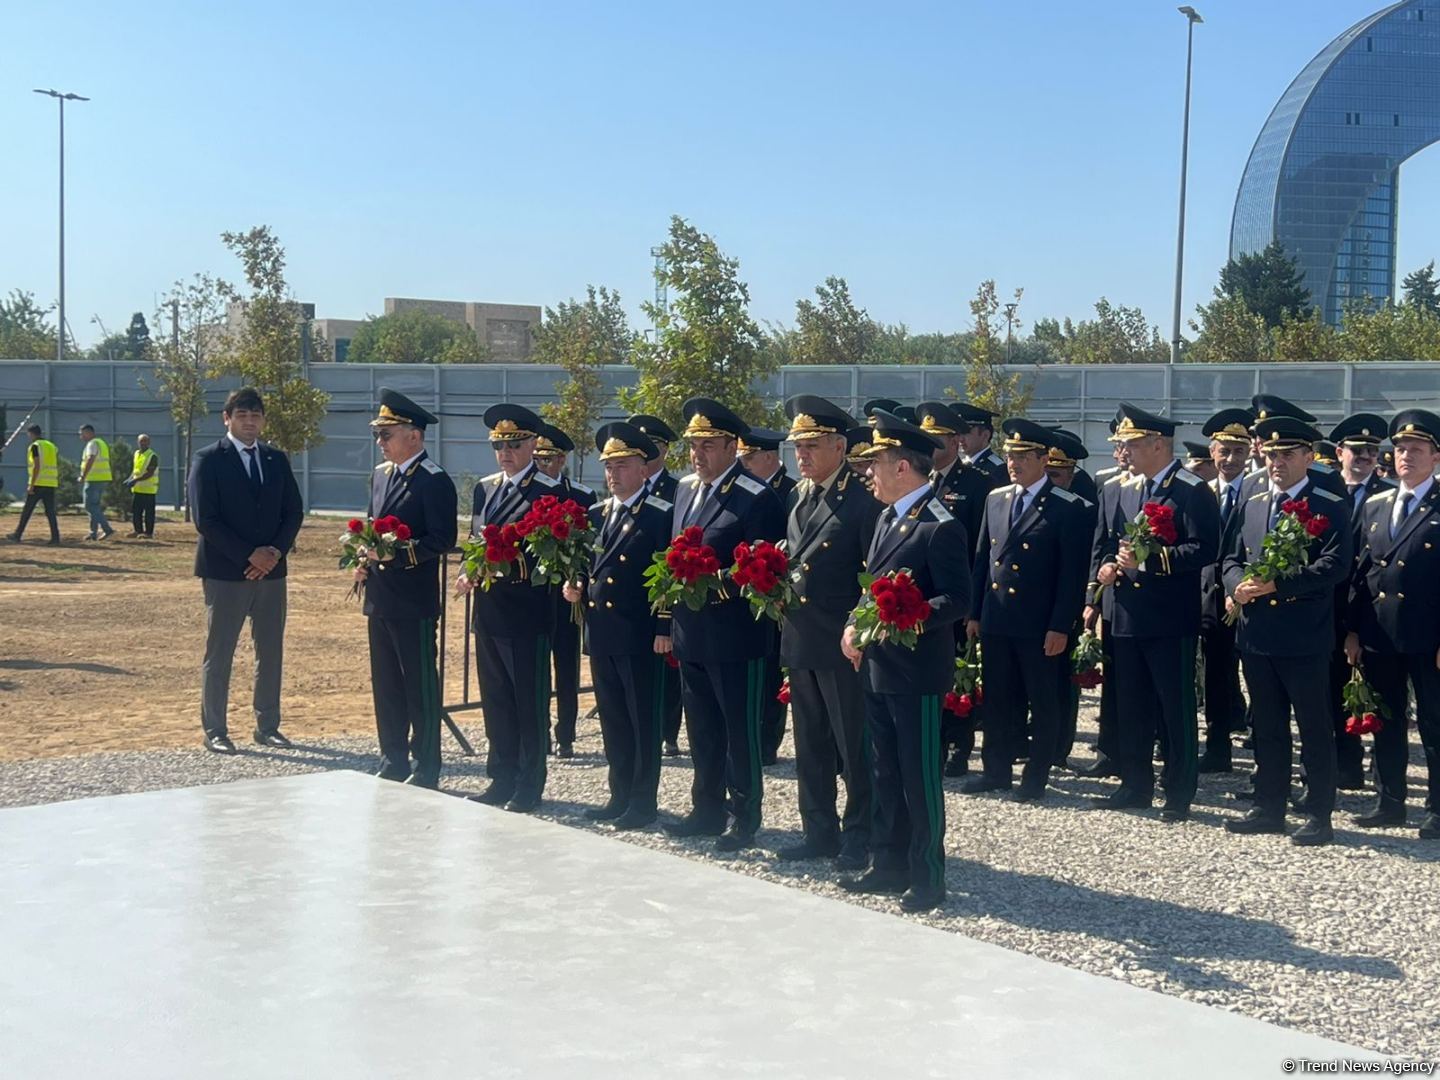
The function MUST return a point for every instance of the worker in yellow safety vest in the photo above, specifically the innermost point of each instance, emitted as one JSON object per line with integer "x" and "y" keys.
{"x": 144, "y": 483}
{"x": 94, "y": 476}
{"x": 42, "y": 475}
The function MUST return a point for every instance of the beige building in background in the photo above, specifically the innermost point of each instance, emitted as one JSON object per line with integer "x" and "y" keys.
{"x": 507, "y": 331}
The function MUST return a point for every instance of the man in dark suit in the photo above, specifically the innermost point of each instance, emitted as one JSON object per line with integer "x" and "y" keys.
{"x": 1198, "y": 460}
{"x": 1157, "y": 615}
{"x": 248, "y": 513}
{"x": 513, "y": 622}
{"x": 905, "y": 688}
{"x": 1393, "y": 629}
{"x": 721, "y": 648}
{"x": 622, "y": 631}
{"x": 659, "y": 482}
{"x": 1229, "y": 434}
{"x": 1027, "y": 589}
{"x": 551, "y": 449}
{"x": 402, "y": 594}
{"x": 976, "y": 439}
{"x": 827, "y": 536}
{"x": 760, "y": 455}
{"x": 1285, "y": 634}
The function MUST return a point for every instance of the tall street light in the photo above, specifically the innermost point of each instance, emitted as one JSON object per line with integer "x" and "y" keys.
{"x": 61, "y": 98}
{"x": 1192, "y": 17}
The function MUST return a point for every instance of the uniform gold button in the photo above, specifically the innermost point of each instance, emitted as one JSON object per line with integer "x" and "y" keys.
{"x": 1024, "y": 547}
{"x": 805, "y": 567}
{"x": 1383, "y": 564}
{"x": 592, "y": 603}
{"x": 1400, "y": 596}
{"x": 1274, "y": 602}
{"x": 1401, "y": 564}
{"x": 995, "y": 585}
{"x": 824, "y": 543}
{"x": 997, "y": 562}
{"x": 609, "y": 604}
{"x": 622, "y": 558}
{"x": 1014, "y": 566}
{"x": 609, "y": 581}
{"x": 1011, "y": 591}
{"x": 804, "y": 599}
{"x": 1382, "y": 596}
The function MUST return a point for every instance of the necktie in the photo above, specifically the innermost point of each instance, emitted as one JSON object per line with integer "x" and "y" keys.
{"x": 1227, "y": 505}
{"x": 808, "y": 506}
{"x": 1406, "y": 500}
{"x": 612, "y": 523}
{"x": 1017, "y": 508}
{"x": 1149, "y": 490}
{"x": 392, "y": 483}
{"x": 701, "y": 498}
{"x": 1276, "y": 501}
{"x": 252, "y": 468}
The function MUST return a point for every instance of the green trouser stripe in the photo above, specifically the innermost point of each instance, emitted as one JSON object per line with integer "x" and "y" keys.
{"x": 428, "y": 743}
{"x": 754, "y": 709}
{"x": 1190, "y": 752}
{"x": 657, "y": 723}
{"x": 930, "y": 775}
{"x": 542, "y": 705}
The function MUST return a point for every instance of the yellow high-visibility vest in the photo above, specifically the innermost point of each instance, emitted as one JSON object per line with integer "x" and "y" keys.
{"x": 49, "y": 475}
{"x": 147, "y": 486}
{"x": 100, "y": 470}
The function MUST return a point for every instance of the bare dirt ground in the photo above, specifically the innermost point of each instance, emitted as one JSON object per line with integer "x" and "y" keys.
{"x": 101, "y": 642}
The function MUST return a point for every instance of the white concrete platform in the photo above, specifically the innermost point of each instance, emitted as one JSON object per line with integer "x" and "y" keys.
{"x": 337, "y": 926}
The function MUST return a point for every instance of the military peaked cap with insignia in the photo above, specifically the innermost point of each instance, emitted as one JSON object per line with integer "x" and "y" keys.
{"x": 812, "y": 417}
{"x": 550, "y": 441}
{"x": 857, "y": 443}
{"x": 938, "y": 418}
{"x": 1325, "y": 452}
{"x": 1229, "y": 426}
{"x": 894, "y": 432}
{"x": 708, "y": 419}
{"x": 1022, "y": 435}
{"x": 1361, "y": 429}
{"x": 907, "y": 413}
{"x": 757, "y": 439}
{"x": 1198, "y": 451}
{"x": 875, "y": 405}
{"x": 511, "y": 423}
{"x": 623, "y": 439}
{"x": 1133, "y": 423}
{"x": 974, "y": 415}
{"x": 654, "y": 427}
{"x": 1065, "y": 449}
{"x": 396, "y": 408}
{"x": 1416, "y": 424}
{"x": 1268, "y": 405}
{"x": 1285, "y": 433}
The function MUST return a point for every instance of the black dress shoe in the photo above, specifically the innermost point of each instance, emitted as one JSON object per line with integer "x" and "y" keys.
{"x": 808, "y": 849}
{"x": 877, "y": 882}
{"x": 1313, "y": 833}
{"x": 609, "y": 812}
{"x": 978, "y": 785}
{"x": 769, "y": 758}
{"x": 1430, "y": 827}
{"x": 690, "y": 825}
{"x": 918, "y": 900}
{"x": 1257, "y": 821}
{"x": 1173, "y": 814}
{"x": 635, "y": 819}
{"x": 273, "y": 739}
{"x": 565, "y": 750}
{"x": 494, "y": 795}
{"x": 1028, "y": 793}
{"x": 1384, "y": 817}
{"x": 393, "y": 775}
{"x": 219, "y": 744}
{"x": 851, "y": 861}
{"x": 1122, "y": 798}
{"x": 958, "y": 764}
{"x": 1025, "y": 751}
{"x": 1350, "y": 779}
{"x": 420, "y": 780}
{"x": 735, "y": 839}
{"x": 522, "y": 804}
{"x": 671, "y": 750}
{"x": 1217, "y": 764}
{"x": 1102, "y": 768}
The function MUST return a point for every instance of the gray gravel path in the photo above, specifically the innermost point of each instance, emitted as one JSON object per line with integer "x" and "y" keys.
{"x": 1341, "y": 941}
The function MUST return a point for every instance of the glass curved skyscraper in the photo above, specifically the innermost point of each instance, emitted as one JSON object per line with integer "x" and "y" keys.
{"x": 1323, "y": 177}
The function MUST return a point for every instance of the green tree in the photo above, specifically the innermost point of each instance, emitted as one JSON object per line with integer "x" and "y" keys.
{"x": 137, "y": 340}
{"x": 706, "y": 343}
{"x": 1269, "y": 283}
{"x": 1228, "y": 332}
{"x": 415, "y": 337}
{"x": 1388, "y": 332}
{"x": 117, "y": 496}
{"x": 581, "y": 336}
{"x": 268, "y": 352}
{"x": 831, "y": 329}
{"x": 1117, "y": 335}
{"x": 111, "y": 347}
{"x": 26, "y": 332}
{"x": 1306, "y": 337}
{"x": 1421, "y": 290}
{"x": 987, "y": 383}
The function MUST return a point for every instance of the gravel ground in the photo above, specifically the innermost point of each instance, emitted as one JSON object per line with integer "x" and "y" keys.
{"x": 1341, "y": 941}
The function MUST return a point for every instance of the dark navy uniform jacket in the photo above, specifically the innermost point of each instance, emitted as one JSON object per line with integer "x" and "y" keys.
{"x": 1298, "y": 619}
{"x": 618, "y": 618}
{"x": 1083, "y": 484}
{"x": 962, "y": 491}
{"x": 783, "y": 484}
{"x": 1106, "y": 513}
{"x": 1162, "y": 597}
{"x": 408, "y": 586}
{"x": 1212, "y": 583}
{"x": 826, "y": 559}
{"x": 931, "y": 544}
{"x": 573, "y": 489}
{"x": 1031, "y": 579}
{"x": 513, "y": 607}
{"x": 1322, "y": 476}
{"x": 992, "y": 465}
{"x": 740, "y": 508}
{"x": 664, "y": 485}
{"x": 1395, "y": 592}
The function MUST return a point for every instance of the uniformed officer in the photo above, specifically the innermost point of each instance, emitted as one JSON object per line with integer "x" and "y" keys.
{"x": 1285, "y": 635}
{"x": 1157, "y": 615}
{"x": 1065, "y": 447}
{"x": 1100, "y": 609}
{"x": 1198, "y": 461}
{"x": 1027, "y": 589}
{"x": 42, "y": 474}
{"x": 721, "y": 647}
{"x": 857, "y": 454}
{"x": 905, "y": 688}
{"x": 1394, "y": 633}
{"x": 402, "y": 594}
{"x": 760, "y": 455}
{"x": 1263, "y": 407}
{"x": 659, "y": 481}
{"x": 828, "y": 535}
{"x": 979, "y": 433}
{"x": 621, "y": 630}
{"x": 513, "y": 622}
{"x": 552, "y": 449}
{"x": 879, "y": 404}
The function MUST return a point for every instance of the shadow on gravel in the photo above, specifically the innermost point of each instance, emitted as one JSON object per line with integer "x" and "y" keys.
{"x": 63, "y": 566}
{"x": 46, "y": 665}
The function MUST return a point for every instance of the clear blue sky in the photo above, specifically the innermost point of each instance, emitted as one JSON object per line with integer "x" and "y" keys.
{"x": 512, "y": 152}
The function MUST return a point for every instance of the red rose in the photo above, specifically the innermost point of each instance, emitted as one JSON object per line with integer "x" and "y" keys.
{"x": 671, "y": 661}
{"x": 1317, "y": 524}
{"x": 694, "y": 536}
{"x": 402, "y": 531}
{"x": 560, "y": 530}
{"x": 356, "y": 525}
{"x": 784, "y": 695}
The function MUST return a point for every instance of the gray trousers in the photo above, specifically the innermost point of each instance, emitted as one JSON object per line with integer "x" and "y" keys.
{"x": 227, "y": 605}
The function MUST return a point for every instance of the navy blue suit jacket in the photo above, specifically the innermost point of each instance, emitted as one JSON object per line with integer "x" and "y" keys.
{"x": 232, "y": 520}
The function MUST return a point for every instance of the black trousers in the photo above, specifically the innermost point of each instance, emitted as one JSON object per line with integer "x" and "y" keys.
{"x": 1156, "y": 678}
{"x": 772, "y": 722}
{"x": 565, "y": 652}
{"x": 43, "y": 496}
{"x": 671, "y": 728}
{"x": 909, "y": 827}
{"x": 1019, "y": 677}
{"x": 1107, "y": 740}
{"x": 1222, "y": 690}
{"x": 1278, "y": 684}
{"x": 1388, "y": 675}
{"x": 632, "y": 706}
{"x": 1068, "y": 694}
{"x": 405, "y": 684}
{"x": 827, "y": 709}
{"x": 723, "y": 706}
{"x": 515, "y": 692}
{"x": 142, "y": 513}
{"x": 1349, "y": 749}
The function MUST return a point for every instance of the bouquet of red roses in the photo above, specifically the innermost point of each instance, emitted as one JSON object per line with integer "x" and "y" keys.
{"x": 1085, "y": 661}
{"x": 968, "y": 691}
{"x": 892, "y": 608}
{"x": 763, "y": 573}
{"x": 560, "y": 537}
{"x": 364, "y": 542}
{"x": 687, "y": 571}
{"x": 1152, "y": 529}
{"x": 1365, "y": 705}
{"x": 492, "y": 556}
{"x": 1286, "y": 548}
